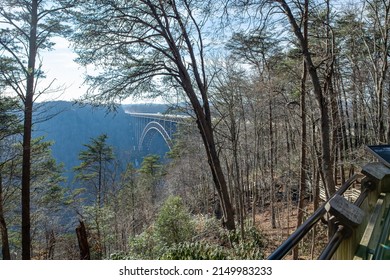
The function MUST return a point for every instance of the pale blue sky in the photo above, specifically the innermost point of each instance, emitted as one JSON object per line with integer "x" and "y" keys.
{"x": 59, "y": 64}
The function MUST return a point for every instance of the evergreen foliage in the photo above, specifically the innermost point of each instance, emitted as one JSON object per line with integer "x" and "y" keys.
{"x": 217, "y": 244}
{"x": 9, "y": 120}
{"x": 174, "y": 224}
{"x": 95, "y": 169}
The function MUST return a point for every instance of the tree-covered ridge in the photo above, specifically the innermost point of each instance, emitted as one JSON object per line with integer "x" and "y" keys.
{"x": 69, "y": 126}
{"x": 72, "y": 126}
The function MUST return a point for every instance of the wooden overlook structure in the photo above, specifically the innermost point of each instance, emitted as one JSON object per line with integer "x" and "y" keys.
{"x": 360, "y": 227}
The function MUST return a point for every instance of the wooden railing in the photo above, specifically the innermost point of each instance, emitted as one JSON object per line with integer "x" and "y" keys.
{"x": 361, "y": 228}
{"x": 365, "y": 240}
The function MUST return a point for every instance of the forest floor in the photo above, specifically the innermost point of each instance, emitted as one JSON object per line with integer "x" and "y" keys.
{"x": 286, "y": 220}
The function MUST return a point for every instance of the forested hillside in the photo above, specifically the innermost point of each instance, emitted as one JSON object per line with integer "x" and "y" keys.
{"x": 69, "y": 126}
{"x": 282, "y": 96}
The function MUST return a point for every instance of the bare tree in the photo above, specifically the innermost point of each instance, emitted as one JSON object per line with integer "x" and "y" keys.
{"x": 326, "y": 133}
{"x": 377, "y": 14}
{"x": 141, "y": 46}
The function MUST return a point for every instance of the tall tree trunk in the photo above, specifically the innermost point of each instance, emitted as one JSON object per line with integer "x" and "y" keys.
{"x": 27, "y": 127}
{"x": 316, "y": 199}
{"x": 388, "y": 110}
{"x": 217, "y": 173}
{"x": 256, "y": 162}
{"x": 201, "y": 109}
{"x": 3, "y": 227}
{"x": 302, "y": 183}
{"x": 239, "y": 188}
{"x": 345, "y": 125}
{"x": 302, "y": 180}
{"x": 331, "y": 93}
{"x": 271, "y": 162}
{"x": 50, "y": 244}
{"x": 83, "y": 241}
{"x": 327, "y": 164}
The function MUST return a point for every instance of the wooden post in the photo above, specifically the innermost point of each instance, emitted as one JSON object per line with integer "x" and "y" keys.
{"x": 370, "y": 238}
{"x": 345, "y": 212}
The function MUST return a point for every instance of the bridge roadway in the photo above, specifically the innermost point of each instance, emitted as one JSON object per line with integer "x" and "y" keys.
{"x": 159, "y": 116}
{"x": 361, "y": 227}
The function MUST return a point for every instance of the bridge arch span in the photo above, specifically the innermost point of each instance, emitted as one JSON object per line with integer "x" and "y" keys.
{"x": 154, "y": 125}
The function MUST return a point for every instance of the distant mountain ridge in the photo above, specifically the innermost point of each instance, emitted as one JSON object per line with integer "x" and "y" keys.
{"x": 71, "y": 126}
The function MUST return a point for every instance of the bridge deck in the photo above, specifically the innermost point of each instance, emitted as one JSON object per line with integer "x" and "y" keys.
{"x": 158, "y": 116}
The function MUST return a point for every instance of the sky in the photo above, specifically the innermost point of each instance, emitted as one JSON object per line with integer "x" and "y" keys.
{"x": 59, "y": 65}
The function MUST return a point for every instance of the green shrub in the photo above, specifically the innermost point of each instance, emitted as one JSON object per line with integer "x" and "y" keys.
{"x": 230, "y": 247}
{"x": 174, "y": 224}
{"x": 251, "y": 248}
{"x": 141, "y": 247}
{"x": 173, "y": 238}
{"x": 120, "y": 256}
{"x": 144, "y": 246}
{"x": 194, "y": 251}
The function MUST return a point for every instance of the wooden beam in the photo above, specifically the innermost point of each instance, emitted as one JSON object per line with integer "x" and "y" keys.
{"x": 371, "y": 235}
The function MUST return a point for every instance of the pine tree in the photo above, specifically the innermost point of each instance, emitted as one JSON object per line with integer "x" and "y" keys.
{"x": 26, "y": 30}
{"x": 94, "y": 172}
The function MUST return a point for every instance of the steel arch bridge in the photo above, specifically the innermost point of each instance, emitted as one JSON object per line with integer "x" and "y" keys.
{"x": 148, "y": 125}
{"x": 154, "y": 125}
